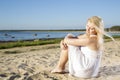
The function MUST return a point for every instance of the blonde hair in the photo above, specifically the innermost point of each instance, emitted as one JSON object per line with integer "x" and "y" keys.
{"x": 98, "y": 22}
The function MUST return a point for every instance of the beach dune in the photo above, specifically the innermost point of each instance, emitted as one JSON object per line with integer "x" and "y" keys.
{"x": 36, "y": 62}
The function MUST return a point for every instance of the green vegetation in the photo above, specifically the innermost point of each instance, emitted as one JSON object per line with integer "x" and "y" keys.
{"x": 107, "y": 39}
{"x": 115, "y": 36}
{"x": 115, "y": 28}
{"x": 6, "y": 45}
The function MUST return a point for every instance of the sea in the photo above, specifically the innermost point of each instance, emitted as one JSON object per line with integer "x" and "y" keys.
{"x": 32, "y": 35}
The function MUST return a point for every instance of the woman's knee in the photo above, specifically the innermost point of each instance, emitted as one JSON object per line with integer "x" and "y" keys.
{"x": 63, "y": 46}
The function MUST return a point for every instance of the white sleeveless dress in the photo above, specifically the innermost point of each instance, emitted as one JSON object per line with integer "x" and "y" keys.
{"x": 83, "y": 62}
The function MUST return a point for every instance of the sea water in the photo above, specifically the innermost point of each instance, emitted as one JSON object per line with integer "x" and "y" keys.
{"x": 31, "y": 35}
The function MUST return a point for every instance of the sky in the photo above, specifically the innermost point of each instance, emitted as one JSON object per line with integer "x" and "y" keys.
{"x": 56, "y": 14}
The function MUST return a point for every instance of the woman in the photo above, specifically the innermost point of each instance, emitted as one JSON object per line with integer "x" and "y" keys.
{"x": 83, "y": 52}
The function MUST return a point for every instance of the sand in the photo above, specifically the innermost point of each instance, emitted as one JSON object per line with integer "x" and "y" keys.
{"x": 36, "y": 62}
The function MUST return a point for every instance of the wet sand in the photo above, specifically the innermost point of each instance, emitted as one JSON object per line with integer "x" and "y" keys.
{"x": 36, "y": 62}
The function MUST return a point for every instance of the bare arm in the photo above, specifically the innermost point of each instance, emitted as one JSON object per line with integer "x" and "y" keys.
{"x": 78, "y": 41}
{"x": 82, "y": 40}
{"x": 82, "y": 36}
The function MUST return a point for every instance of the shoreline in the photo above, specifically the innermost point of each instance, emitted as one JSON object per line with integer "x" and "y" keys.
{"x": 36, "y": 42}
{"x": 31, "y": 36}
{"x": 114, "y": 36}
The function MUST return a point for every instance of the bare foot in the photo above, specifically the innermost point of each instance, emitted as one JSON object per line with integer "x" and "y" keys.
{"x": 59, "y": 71}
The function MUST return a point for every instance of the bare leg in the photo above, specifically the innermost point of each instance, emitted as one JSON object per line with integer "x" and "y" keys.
{"x": 62, "y": 61}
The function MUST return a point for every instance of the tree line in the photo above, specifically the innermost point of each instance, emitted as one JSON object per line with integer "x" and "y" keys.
{"x": 113, "y": 28}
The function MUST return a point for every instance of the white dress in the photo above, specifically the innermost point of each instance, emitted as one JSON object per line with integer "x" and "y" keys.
{"x": 83, "y": 62}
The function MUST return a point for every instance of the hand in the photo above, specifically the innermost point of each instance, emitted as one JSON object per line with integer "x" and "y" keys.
{"x": 93, "y": 37}
{"x": 88, "y": 30}
{"x": 63, "y": 45}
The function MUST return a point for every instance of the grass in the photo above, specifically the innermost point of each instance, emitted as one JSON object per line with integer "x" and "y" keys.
{"x": 107, "y": 39}
{"x": 7, "y": 45}
{"x": 115, "y": 36}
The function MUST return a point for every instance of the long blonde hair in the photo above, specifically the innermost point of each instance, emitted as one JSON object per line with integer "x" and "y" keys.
{"x": 98, "y": 22}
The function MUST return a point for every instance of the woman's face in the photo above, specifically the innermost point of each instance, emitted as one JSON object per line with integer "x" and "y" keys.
{"x": 90, "y": 28}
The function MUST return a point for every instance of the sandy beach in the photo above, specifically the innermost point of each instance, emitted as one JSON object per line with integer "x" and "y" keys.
{"x": 36, "y": 62}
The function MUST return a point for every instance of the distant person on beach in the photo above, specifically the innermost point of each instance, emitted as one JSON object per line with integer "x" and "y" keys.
{"x": 83, "y": 52}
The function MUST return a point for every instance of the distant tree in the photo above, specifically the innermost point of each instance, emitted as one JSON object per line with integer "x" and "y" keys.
{"x": 106, "y": 29}
{"x": 115, "y": 28}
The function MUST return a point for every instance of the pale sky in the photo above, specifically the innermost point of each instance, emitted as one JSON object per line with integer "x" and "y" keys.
{"x": 56, "y": 14}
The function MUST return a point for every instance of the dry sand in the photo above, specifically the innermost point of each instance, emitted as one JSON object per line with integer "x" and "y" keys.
{"x": 36, "y": 62}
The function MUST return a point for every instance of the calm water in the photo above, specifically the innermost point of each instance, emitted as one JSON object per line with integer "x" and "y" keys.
{"x": 30, "y": 35}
